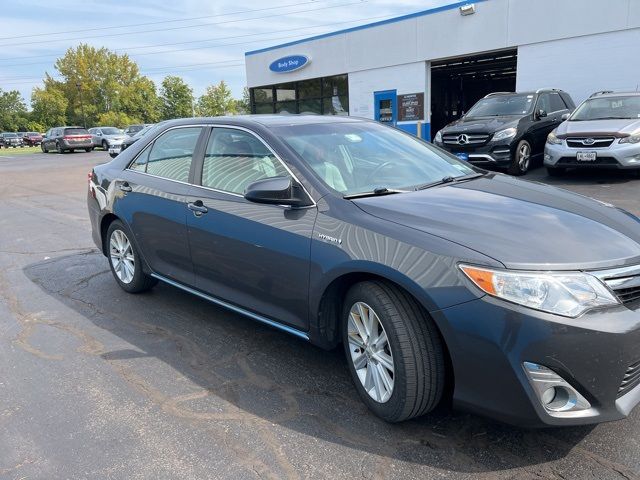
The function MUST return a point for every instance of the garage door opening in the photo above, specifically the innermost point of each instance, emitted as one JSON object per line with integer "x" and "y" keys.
{"x": 458, "y": 83}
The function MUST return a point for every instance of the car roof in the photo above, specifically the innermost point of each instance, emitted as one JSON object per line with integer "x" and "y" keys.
{"x": 268, "y": 120}
{"x": 615, "y": 94}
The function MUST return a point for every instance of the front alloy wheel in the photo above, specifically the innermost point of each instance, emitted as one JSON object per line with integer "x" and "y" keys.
{"x": 370, "y": 352}
{"x": 394, "y": 351}
{"x": 522, "y": 159}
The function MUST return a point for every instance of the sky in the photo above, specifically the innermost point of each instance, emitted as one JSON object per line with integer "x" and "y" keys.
{"x": 202, "y": 41}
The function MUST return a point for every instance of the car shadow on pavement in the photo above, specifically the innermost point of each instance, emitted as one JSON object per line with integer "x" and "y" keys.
{"x": 232, "y": 369}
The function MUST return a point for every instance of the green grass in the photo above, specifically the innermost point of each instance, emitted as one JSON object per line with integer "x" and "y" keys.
{"x": 12, "y": 152}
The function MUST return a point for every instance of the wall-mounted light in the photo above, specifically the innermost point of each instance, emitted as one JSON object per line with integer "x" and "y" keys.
{"x": 469, "y": 9}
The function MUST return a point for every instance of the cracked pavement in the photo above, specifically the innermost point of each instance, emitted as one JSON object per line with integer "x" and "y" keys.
{"x": 96, "y": 383}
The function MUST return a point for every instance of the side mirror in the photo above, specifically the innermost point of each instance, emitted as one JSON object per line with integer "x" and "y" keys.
{"x": 565, "y": 116}
{"x": 541, "y": 114}
{"x": 99, "y": 134}
{"x": 275, "y": 191}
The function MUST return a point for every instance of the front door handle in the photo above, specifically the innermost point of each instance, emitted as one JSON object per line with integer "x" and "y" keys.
{"x": 197, "y": 208}
{"x": 125, "y": 187}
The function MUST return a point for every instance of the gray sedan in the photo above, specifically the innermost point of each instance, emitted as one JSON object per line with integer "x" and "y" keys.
{"x": 106, "y": 137}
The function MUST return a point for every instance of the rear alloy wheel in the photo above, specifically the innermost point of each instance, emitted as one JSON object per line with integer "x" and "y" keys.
{"x": 124, "y": 260}
{"x": 393, "y": 350}
{"x": 521, "y": 159}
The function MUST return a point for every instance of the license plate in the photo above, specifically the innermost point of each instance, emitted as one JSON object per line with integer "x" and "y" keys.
{"x": 586, "y": 156}
{"x": 115, "y": 150}
{"x": 462, "y": 156}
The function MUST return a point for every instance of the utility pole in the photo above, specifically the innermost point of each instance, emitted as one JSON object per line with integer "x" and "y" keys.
{"x": 84, "y": 120}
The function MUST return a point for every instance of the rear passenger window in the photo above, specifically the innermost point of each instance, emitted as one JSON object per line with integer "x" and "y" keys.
{"x": 556, "y": 103}
{"x": 235, "y": 158}
{"x": 170, "y": 155}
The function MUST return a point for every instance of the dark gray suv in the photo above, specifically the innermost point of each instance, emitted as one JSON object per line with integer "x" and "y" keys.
{"x": 440, "y": 280}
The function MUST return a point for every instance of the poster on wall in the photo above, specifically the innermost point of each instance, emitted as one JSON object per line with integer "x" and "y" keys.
{"x": 411, "y": 107}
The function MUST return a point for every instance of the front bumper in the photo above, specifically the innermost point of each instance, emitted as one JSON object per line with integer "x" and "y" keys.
{"x": 497, "y": 154}
{"x": 616, "y": 156}
{"x": 489, "y": 340}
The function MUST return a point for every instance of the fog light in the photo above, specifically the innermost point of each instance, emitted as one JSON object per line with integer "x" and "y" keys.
{"x": 547, "y": 157}
{"x": 554, "y": 393}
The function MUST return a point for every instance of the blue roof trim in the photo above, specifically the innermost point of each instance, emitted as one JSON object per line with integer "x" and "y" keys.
{"x": 422, "y": 13}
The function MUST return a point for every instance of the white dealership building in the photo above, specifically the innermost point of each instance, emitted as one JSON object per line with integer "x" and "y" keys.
{"x": 423, "y": 70}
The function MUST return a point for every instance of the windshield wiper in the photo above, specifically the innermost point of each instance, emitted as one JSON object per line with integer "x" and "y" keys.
{"x": 610, "y": 118}
{"x": 449, "y": 179}
{"x": 375, "y": 192}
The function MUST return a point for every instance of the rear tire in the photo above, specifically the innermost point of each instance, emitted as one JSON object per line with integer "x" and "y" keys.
{"x": 414, "y": 384}
{"x": 521, "y": 159}
{"x": 59, "y": 148}
{"x": 556, "y": 171}
{"x": 125, "y": 261}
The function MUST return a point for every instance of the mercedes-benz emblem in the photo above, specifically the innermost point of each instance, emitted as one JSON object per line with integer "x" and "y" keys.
{"x": 588, "y": 141}
{"x": 463, "y": 139}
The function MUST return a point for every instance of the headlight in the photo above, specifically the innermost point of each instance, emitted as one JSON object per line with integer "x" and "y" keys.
{"x": 502, "y": 134}
{"x": 438, "y": 137}
{"x": 569, "y": 294}
{"x": 635, "y": 138}
{"x": 553, "y": 139}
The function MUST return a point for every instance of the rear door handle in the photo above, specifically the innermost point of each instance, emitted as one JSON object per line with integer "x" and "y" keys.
{"x": 125, "y": 187}
{"x": 197, "y": 207}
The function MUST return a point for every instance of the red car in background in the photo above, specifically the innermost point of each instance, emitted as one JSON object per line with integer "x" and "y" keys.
{"x": 32, "y": 138}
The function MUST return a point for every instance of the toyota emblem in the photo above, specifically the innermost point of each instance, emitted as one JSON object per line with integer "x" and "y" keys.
{"x": 463, "y": 139}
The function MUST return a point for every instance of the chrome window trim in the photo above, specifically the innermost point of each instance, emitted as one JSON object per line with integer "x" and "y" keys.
{"x": 262, "y": 140}
{"x": 212, "y": 126}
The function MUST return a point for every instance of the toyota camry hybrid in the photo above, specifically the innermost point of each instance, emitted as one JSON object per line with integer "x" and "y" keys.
{"x": 443, "y": 282}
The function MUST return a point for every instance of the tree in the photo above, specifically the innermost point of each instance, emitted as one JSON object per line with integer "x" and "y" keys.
{"x": 243, "y": 106}
{"x": 49, "y": 107}
{"x": 216, "y": 101}
{"x": 98, "y": 81}
{"x": 116, "y": 119}
{"x": 13, "y": 111}
{"x": 176, "y": 98}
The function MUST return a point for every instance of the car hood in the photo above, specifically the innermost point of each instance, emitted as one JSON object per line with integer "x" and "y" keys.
{"x": 615, "y": 128}
{"x": 523, "y": 225}
{"x": 481, "y": 124}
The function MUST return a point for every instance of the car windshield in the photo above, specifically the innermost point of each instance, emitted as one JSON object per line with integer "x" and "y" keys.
{"x": 32, "y": 134}
{"x": 10, "y": 135}
{"x": 135, "y": 128}
{"x": 499, "y": 105}
{"x": 111, "y": 131}
{"x": 355, "y": 158}
{"x": 142, "y": 132}
{"x": 608, "y": 108}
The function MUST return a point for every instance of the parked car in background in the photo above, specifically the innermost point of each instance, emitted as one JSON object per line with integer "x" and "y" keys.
{"x": 67, "y": 139}
{"x": 127, "y": 142}
{"x": 603, "y": 132}
{"x": 505, "y": 129}
{"x": 439, "y": 279}
{"x": 133, "y": 129}
{"x": 10, "y": 139}
{"x": 32, "y": 138}
{"x": 106, "y": 137}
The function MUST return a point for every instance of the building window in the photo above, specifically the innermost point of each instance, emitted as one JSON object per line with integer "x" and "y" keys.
{"x": 325, "y": 96}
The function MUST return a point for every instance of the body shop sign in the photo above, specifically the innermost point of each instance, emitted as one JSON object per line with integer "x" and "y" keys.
{"x": 289, "y": 64}
{"x": 411, "y": 107}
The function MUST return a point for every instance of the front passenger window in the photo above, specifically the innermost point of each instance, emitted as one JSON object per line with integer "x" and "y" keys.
{"x": 170, "y": 155}
{"x": 235, "y": 158}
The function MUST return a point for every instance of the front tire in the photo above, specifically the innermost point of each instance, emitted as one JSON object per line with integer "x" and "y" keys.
{"x": 88, "y": 149}
{"x": 394, "y": 351}
{"x": 125, "y": 261}
{"x": 43, "y": 148}
{"x": 521, "y": 159}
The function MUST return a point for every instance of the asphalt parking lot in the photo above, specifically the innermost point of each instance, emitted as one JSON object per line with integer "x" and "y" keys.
{"x": 96, "y": 383}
